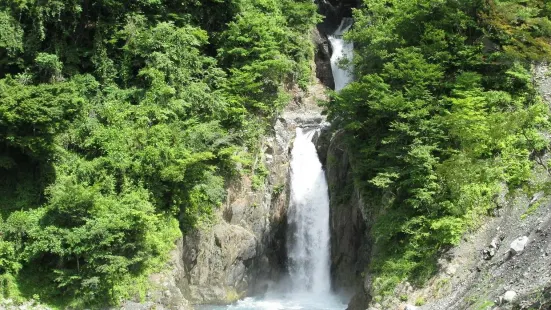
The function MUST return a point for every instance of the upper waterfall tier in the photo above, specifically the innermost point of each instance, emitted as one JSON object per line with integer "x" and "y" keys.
{"x": 341, "y": 50}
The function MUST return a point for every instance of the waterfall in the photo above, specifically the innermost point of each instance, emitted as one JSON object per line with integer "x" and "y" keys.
{"x": 308, "y": 239}
{"x": 341, "y": 50}
{"x": 308, "y": 246}
{"x": 308, "y": 219}
{"x": 308, "y": 216}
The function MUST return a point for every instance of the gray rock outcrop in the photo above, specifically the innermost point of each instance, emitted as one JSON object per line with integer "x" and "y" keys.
{"x": 350, "y": 242}
{"x": 244, "y": 251}
{"x": 517, "y": 246}
{"x": 323, "y": 59}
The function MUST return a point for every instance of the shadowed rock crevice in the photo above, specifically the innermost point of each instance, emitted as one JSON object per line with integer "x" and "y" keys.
{"x": 334, "y": 11}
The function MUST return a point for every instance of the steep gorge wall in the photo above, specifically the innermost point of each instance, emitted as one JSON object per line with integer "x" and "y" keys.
{"x": 349, "y": 217}
{"x": 244, "y": 251}
{"x": 349, "y": 222}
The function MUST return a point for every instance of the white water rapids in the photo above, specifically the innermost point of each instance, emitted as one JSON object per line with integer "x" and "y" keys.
{"x": 308, "y": 242}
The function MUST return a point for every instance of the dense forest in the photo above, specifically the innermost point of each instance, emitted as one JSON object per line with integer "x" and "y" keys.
{"x": 120, "y": 124}
{"x": 442, "y": 117}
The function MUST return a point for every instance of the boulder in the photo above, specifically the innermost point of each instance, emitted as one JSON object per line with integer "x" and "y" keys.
{"x": 518, "y": 245}
{"x": 488, "y": 254}
{"x": 509, "y": 296}
{"x": 495, "y": 243}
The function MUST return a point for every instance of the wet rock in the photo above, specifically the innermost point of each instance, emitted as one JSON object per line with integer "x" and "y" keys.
{"x": 333, "y": 11}
{"x": 130, "y": 305}
{"x": 323, "y": 59}
{"x": 359, "y": 301}
{"x": 322, "y": 143}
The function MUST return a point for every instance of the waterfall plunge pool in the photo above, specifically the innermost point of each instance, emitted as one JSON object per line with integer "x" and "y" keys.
{"x": 284, "y": 302}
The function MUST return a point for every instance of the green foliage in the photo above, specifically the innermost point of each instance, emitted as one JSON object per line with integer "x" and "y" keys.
{"x": 31, "y": 116}
{"x": 120, "y": 124}
{"x": 49, "y": 67}
{"x": 438, "y": 121}
{"x": 264, "y": 53}
{"x": 259, "y": 176}
{"x": 419, "y": 301}
{"x": 87, "y": 241}
{"x": 522, "y": 27}
{"x": 11, "y": 35}
{"x": 8, "y": 256}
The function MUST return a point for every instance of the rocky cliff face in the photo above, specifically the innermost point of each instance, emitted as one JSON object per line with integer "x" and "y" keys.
{"x": 323, "y": 59}
{"x": 350, "y": 242}
{"x": 505, "y": 264}
{"x": 244, "y": 250}
{"x": 349, "y": 222}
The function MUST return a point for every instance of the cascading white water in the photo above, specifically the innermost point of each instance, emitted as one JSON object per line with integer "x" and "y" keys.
{"x": 308, "y": 216}
{"x": 308, "y": 239}
{"x": 341, "y": 50}
{"x": 308, "y": 219}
